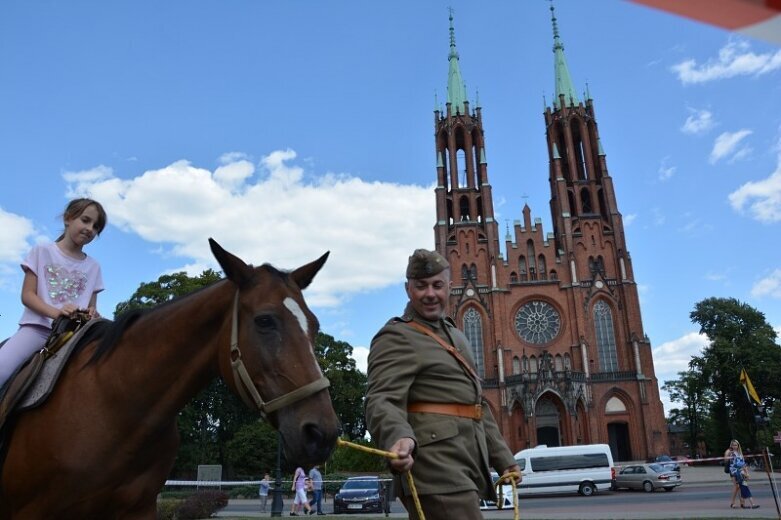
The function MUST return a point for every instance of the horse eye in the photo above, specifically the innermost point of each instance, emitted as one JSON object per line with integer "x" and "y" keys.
{"x": 264, "y": 321}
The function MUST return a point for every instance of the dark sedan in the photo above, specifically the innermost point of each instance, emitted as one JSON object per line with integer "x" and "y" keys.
{"x": 360, "y": 495}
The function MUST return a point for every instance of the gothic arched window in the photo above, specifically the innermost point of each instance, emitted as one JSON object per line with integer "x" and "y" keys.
{"x": 585, "y": 201}
{"x": 473, "y": 329}
{"x": 606, "y": 338}
{"x": 541, "y": 267}
{"x": 516, "y": 365}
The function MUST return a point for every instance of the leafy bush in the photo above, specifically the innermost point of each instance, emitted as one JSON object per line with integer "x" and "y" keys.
{"x": 202, "y": 505}
{"x": 166, "y": 508}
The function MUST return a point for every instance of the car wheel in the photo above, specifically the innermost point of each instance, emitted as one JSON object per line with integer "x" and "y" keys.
{"x": 587, "y": 489}
{"x": 648, "y": 486}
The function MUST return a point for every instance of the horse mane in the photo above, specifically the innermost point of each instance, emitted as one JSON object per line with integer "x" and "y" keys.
{"x": 109, "y": 333}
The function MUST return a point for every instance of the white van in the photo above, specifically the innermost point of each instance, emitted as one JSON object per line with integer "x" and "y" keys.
{"x": 586, "y": 469}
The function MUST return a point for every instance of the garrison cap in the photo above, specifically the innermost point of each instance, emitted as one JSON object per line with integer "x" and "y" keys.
{"x": 424, "y": 263}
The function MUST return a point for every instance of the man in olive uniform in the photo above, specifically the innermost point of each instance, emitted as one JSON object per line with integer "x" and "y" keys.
{"x": 425, "y": 404}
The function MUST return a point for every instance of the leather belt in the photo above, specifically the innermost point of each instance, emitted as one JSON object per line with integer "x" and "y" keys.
{"x": 469, "y": 411}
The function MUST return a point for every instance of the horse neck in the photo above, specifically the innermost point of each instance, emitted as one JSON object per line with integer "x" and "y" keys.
{"x": 173, "y": 351}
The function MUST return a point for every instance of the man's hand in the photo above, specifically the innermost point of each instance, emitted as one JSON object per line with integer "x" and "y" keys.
{"x": 514, "y": 471}
{"x": 403, "y": 448}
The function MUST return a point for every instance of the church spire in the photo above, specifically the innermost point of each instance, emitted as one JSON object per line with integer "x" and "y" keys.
{"x": 563, "y": 80}
{"x": 456, "y": 91}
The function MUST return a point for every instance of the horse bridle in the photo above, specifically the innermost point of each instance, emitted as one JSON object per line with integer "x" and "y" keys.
{"x": 246, "y": 387}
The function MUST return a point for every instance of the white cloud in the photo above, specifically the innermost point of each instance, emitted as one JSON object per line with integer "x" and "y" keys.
{"x": 15, "y": 238}
{"x": 370, "y": 228}
{"x": 361, "y": 357}
{"x": 698, "y": 122}
{"x": 628, "y": 219}
{"x": 18, "y": 233}
{"x": 715, "y": 277}
{"x": 232, "y": 175}
{"x": 666, "y": 171}
{"x": 729, "y": 143}
{"x": 735, "y": 59}
{"x": 768, "y": 286}
{"x": 231, "y": 157}
{"x": 75, "y": 179}
{"x": 763, "y": 197}
{"x": 672, "y": 357}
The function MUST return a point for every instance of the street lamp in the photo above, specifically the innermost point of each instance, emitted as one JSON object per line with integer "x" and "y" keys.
{"x": 276, "y": 502}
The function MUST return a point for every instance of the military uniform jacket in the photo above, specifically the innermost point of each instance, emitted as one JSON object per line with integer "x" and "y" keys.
{"x": 452, "y": 453}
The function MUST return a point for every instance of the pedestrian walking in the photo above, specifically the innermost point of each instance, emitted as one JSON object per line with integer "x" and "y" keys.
{"x": 317, "y": 489}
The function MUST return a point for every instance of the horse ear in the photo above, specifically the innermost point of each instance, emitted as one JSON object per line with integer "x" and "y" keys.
{"x": 304, "y": 275}
{"x": 235, "y": 268}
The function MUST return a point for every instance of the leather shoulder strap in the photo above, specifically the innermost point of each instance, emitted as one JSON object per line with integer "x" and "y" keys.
{"x": 450, "y": 348}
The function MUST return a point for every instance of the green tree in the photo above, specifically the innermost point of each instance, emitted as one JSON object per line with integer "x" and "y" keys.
{"x": 740, "y": 338}
{"x": 253, "y": 449}
{"x": 348, "y": 384}
{"x": 693, "y": 392}
{"x": 166, "y": 288}
{"x": 347, "y": 459}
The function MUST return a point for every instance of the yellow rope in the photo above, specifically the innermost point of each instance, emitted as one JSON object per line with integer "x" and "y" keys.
{"x": 388, "y": 455}
{"x": 513, "y": 478}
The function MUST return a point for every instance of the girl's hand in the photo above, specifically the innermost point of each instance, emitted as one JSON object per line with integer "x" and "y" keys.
{"x": 68, "y": 309}
{"x": 93, "y": 313}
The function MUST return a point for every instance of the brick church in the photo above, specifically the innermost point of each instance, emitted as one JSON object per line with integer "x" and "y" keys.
{"x": 554, "y": 320}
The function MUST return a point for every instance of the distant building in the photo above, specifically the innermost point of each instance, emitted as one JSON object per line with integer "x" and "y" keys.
{"x": 555, "y": 324}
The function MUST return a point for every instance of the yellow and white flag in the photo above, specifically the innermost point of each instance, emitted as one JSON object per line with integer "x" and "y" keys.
{"x": 746, "y": 382}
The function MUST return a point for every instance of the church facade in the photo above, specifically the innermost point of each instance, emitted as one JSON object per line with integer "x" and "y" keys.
{"x": 553, "y": 318}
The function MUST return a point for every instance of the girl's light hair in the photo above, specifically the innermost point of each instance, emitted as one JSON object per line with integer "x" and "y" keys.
{"x": 77, "y": 206}
{"x": 740, "y": 450}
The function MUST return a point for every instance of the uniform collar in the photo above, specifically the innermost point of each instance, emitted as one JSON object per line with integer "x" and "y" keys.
{"x": 411, "y": 314}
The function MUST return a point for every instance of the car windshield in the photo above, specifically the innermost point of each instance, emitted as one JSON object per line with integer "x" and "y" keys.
{"x": 663, "y": 458}
{"x": 361, "y": 484}
{"x": 657, "y": 468}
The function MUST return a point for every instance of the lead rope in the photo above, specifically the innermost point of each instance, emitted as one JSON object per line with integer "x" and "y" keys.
{"x": 511, "y": 477}
{"x": 388, "y": 455}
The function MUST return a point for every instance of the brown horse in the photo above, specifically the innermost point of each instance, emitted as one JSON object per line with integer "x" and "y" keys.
{"x": 105, "y": 441}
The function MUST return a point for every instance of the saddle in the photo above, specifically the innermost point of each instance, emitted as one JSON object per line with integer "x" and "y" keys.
{"x": 65, "y": 331}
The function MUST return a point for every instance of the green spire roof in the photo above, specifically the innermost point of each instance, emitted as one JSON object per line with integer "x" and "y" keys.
{"x": 563, "y": 80}
{"x": 456, "y": 91}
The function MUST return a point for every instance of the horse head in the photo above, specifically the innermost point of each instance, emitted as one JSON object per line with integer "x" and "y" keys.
{"x": 272, "y": 364}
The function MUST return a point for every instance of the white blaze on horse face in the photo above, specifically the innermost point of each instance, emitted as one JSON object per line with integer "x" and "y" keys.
{"x": 294, "y": 308}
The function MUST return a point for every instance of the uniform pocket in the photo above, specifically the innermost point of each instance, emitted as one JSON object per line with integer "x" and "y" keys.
{"x": 436, "y": 431}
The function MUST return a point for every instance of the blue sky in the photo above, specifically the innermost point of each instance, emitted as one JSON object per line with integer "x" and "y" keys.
{"x": 287, "y": 128}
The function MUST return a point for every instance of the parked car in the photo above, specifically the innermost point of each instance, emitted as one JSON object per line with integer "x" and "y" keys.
{"x": 667, "y": 462}
{"x": 360, "y": 495}
{"x": 648, "y": 477}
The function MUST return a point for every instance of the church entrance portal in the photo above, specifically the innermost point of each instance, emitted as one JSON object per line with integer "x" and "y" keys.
{"x": 618, "y": 438}
{"x": 547, "y": 423}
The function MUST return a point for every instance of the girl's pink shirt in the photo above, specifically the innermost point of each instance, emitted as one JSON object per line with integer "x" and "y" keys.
{"x": 61, "y": 280}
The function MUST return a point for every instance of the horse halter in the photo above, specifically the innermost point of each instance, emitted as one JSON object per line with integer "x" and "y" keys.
{"x": 246, "y": 387}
